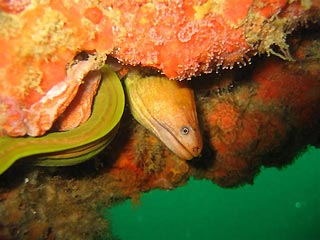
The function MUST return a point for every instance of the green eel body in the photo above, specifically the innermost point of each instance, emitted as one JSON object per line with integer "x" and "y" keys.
{"x": 76, "y": 145}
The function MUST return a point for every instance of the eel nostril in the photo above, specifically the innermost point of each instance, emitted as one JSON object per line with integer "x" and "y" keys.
{"x": 196, "y": 150}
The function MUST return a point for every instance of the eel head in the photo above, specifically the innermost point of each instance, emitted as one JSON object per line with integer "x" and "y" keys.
{"x": 167, "y": 108}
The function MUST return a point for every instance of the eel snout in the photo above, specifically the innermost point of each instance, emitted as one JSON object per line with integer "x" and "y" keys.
{"x": 187, "y": 143}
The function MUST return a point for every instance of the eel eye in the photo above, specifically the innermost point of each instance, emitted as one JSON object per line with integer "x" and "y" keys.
{"x": 185, "y": 130}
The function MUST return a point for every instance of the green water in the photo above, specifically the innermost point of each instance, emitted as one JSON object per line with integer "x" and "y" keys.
{"x": 282, "y": 204}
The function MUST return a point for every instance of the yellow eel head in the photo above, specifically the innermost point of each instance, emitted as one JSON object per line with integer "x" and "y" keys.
{"x": 167, "y": 108}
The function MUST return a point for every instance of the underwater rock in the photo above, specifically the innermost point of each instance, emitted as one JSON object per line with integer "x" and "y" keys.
{"x": 258, "y": 124}
{"x": 263, "y": 115}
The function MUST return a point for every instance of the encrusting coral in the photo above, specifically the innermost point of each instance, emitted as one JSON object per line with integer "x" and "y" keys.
{"x": 260, "y": 124}
{"x": 39, "y": 39}
{"x": 246, "y": 122}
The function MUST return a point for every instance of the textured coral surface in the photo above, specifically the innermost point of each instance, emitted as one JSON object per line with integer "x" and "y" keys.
{"x": 180, "y": 38}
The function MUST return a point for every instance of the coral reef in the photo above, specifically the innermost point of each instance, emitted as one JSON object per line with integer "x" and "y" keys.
{"x": 38, "y": 39}
{"x": 261, "y": 115}
{"x": 261, "y": 123}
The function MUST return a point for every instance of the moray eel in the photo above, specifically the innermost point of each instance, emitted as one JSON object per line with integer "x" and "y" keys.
{"x": 166, "y": 108}
{"x": 76, "y": 145}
